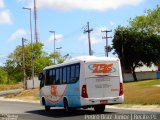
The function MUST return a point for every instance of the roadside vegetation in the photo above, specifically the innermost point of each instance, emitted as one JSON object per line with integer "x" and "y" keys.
{"x": 4, "y": 87}
{"x": 142, "y": 92}
{"x": 138, "y": 43}
{"x": 26, "y": 95}
{"x": 12, "y": 71}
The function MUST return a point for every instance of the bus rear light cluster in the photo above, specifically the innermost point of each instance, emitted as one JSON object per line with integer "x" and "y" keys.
{"x": 84, "y": 91}
{"x": 121, "y": 89}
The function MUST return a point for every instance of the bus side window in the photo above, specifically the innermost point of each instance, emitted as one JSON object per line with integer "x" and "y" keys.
{"x": 57, "y": 76}
{"x": 61, "y": 75}
{"x": 68, "y": 74}
{"x": 64, "y": 75}
{"x": 77, "y": 71}
{"x": 50, "y": 76}
{"x": 73, "y": 77}
{"x": 47, "y": 78}
{"x": 42, "y": 81}
{"x": 54, "y": 77}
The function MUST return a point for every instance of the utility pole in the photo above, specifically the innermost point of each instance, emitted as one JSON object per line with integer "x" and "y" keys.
{"x": 54, "y": 44}
{"x": 24, "y": 69}
{"x": 35, "y": 18}
{"x": 88, "y": 30}
{"x": 32, "y": 56}
{"x": 106, "y": 37}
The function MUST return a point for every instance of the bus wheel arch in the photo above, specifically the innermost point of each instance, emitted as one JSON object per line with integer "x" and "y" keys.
{"x": 43, "y": 101}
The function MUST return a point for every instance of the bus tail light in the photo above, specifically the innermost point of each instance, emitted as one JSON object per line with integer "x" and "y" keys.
{"x": 84, "y": 91}
{"x": 121, "y": 89}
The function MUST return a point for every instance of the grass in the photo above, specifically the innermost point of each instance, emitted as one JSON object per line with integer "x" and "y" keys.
{"x": 10, "y": 87}
{"x": 31, "y": 94}
{"x": 142, "y": 92}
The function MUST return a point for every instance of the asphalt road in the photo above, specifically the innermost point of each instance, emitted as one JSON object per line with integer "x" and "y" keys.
{"x": 34, "y": 111}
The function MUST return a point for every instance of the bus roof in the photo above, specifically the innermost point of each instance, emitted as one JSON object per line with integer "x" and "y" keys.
{"x": 93, "y": 58}
{"x": 84, "y": 58}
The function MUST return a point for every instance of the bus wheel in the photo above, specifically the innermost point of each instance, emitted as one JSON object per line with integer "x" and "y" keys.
{"x": 66, "y": 107}
{"x": 47, "y": 108}
{"x": 99, "y": 108}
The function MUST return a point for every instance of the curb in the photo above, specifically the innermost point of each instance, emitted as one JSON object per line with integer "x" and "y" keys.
{"x": 8, "y": 92}
{"x": 18, "y": 100}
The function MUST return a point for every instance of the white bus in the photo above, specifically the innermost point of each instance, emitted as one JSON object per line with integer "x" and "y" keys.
{"x": 81, "y": 83}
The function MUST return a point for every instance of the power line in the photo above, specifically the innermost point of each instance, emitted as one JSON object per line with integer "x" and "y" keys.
{"x": 71, "y": 34}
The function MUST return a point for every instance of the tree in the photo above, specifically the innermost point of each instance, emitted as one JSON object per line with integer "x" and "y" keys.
{"x": 3, "y": 76}
{"x": 59, "y": 58}
{"x": 41, "y": 63}
{"x": 135, "y": 48}
{"x": 14, "y": 63}
{"x": 14, "y": 67}
{"x": 149, "y": 22}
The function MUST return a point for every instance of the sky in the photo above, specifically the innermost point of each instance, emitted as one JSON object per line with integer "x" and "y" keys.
{"x": 68, "y": 18}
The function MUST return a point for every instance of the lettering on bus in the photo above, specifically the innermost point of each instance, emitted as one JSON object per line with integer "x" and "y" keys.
{"x": 102, "y": 86}
{"x": 102, "y": 68}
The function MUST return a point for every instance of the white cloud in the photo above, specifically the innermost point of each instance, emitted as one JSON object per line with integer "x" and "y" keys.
{"x": 112, "y": 23}
{"x": 5, "y": 17}
{"x": 1, "y": 4}
{"x": 99, "y": 5}
{"x": 58, "y": 37}
{"x": 17, "y": 35}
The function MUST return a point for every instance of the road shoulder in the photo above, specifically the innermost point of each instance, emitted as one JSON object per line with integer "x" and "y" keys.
{"x": 154, "y": 108}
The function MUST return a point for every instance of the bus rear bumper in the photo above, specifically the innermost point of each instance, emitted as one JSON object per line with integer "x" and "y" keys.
{"x": 99, "y": 101}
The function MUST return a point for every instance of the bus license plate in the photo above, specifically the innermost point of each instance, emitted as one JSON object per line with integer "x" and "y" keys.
{"x": 103, "y": 101}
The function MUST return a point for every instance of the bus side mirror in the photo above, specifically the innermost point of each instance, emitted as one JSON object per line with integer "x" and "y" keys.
{"x": 40, "y": 76}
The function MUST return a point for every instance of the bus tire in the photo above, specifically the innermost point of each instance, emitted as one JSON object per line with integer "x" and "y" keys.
{"x": 47, "y": 108}
{"x": 65, "y": 102}
{"x": 99, "y": 108}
